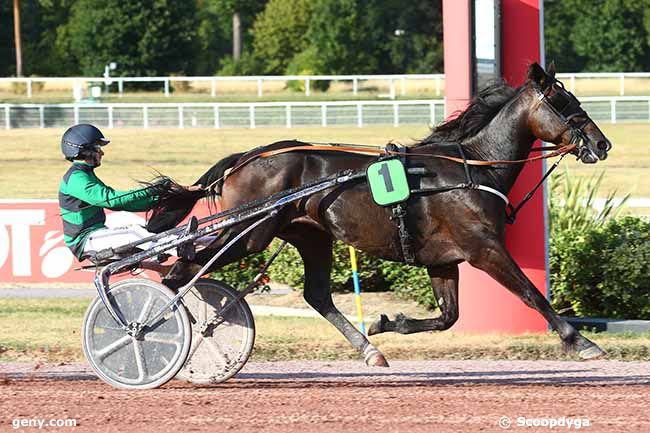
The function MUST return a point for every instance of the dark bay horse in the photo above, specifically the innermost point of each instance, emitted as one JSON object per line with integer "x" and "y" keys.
{"x": 448, "y": 228}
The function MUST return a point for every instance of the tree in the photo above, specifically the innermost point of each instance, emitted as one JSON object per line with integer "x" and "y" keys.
{"x": 242, "y": 14}
{"x": 149, "y": 37}
{"x": 559, "y": 16}
{"x": 280, "y": 33}
{"x": 341, "y": 34}
{"x": 610, "y": 35}
{"x": 412, "y": 37}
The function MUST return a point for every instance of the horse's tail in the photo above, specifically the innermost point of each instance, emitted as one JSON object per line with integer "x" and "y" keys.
{"x": 173, "y": 206}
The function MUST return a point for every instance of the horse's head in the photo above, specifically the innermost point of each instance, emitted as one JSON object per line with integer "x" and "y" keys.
{"x": 556, "y": 117}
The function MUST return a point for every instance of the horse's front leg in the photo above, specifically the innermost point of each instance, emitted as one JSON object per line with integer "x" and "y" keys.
{"x": 493, "y": 258}
{"x": 444, "y": 282}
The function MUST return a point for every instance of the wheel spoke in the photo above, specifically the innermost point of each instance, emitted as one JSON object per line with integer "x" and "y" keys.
{"x": 113, "y": 347}
{"x": 217, "y": 351}
{"x": 163, "y": 338}
{"x": 139, "y": 360}
{"x": 146, "y": 308}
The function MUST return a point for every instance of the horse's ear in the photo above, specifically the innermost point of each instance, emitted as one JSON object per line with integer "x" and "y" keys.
{"x": 551, "y": 70}
{"x": 537, "y": 74}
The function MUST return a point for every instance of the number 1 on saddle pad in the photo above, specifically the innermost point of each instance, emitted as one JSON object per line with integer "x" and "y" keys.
{"x": 387, "y": 181}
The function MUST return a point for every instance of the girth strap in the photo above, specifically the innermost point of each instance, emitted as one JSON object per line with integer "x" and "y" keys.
{"x": 399, "y": 210}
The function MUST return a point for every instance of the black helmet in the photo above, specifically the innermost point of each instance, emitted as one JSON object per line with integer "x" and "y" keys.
{"x": 80, "y": 138}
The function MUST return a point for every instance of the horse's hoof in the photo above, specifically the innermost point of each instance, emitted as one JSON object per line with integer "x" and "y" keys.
{"x": 378, "y": 326}
{"x": 592, "y": 352}
{"x": 374, "y": 358}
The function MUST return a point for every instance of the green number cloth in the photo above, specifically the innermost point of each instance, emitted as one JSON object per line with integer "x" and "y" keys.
{"x": 388, "y": 183}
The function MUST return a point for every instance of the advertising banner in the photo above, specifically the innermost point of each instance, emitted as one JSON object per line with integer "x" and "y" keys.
{"x": 31, "y": 241}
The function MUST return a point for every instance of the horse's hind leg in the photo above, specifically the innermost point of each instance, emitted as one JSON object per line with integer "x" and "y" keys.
{"x": 315, "y": 248}
{"x": 496, "y": 261}
{"x": 444, "y": 282}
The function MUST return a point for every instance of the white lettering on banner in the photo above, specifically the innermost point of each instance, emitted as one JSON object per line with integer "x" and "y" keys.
{"x": 57, "y": 260}
{"x": 17, "y": 223}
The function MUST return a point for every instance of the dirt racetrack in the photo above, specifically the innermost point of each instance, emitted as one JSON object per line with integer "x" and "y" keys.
{"x": 286, "y": 397}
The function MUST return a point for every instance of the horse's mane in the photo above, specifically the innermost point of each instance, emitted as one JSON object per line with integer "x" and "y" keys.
{"x": 481, "y": 110}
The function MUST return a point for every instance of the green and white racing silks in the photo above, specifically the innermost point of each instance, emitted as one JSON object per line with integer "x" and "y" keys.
{"x": 82, "y": 199}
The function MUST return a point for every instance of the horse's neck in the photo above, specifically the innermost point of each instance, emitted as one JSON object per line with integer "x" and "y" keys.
{"x": 506, "y": 137}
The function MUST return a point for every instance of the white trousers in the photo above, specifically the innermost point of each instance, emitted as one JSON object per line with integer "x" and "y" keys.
{"x": 119, "y": 236}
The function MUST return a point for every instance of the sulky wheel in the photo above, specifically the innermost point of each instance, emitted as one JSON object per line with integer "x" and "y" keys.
{"x": 151, "y": 357}
{"x": 221, "y": 345}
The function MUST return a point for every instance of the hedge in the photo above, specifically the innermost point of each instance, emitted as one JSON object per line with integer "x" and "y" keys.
{"x": 374, "y": 274}
{"x": 603, "y": 271}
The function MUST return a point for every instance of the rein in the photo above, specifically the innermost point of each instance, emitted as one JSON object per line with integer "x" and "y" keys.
{"x": 368, "y": 150}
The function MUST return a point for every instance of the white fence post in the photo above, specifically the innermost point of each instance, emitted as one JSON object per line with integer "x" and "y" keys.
{"x": 259, "y": 87}
{"x": 613, "y": 110}
{"x": 181, "y": 117}
{"x": 217, "y": 121}
{"x": 395, "y": 115}
{"x": 213, "y": 88}
{"x": 432, "y": 109}
{"x": 76, "y": 114}
{"x": 29, "y": 87}
{"x": 251, "y": 115}
{"x": 437, "y": 86}
{"x": 288, "y": 114}
{"x": 166, "y": 88}
{"x": 403, "y": 85}
{"x": 110, "y": 117}
{"x": 307, "y": 87}
{"x": 355, "y": 86}
{"x": 120, "y": 87}
{"x": 622, "y": 84}
{"x": 323, "y": 114}
{"x": 359, "y": 116}
{"x": 7, "y": 118}
{"x": 145, "y": 117}
{"x": 41, "y": 116}
{"x": 573, "y": 83}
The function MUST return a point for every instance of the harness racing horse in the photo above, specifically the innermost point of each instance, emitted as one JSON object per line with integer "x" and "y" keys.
{"x": 447, "y": 228}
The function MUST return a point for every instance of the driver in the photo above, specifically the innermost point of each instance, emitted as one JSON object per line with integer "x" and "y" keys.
{"x": 83, "y": 198}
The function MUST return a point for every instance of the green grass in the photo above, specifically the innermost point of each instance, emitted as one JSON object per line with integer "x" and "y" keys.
{"x": 49, "y": 330}
{"x": 31, "y": 165}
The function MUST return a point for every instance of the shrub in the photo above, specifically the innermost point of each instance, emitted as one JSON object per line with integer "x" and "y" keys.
{"x": 240, "y": 273}
{"x": 179, "y": 85}
{"x": 20, "y": 88}
{"x": 598, "y": 264}
{"x": 572, "y": 203}
{"x": 280, "y": 32}
{"x": 374, "y": 274}
{"x": 306, "y": 63}
{"x": 603, "y": 271}
{"x": 246, "y": 65}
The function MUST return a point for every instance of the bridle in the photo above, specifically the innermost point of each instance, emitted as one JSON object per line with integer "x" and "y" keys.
{"x": 567, "y": 108}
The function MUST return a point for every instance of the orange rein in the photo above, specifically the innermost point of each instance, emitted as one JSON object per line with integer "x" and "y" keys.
{"x": 557, "y": 150}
